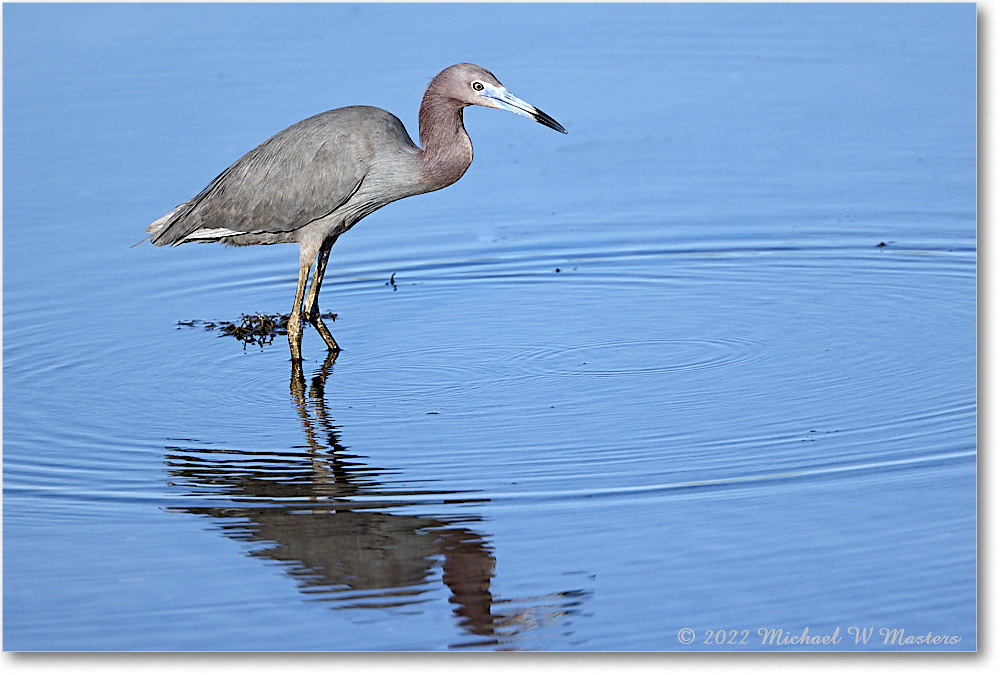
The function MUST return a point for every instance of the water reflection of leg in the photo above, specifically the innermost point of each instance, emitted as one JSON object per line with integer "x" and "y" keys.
{"x": 297, "y": 386}
{"x": 321, "y": 436}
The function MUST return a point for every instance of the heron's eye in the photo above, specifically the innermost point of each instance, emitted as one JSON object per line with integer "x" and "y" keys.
{"x": 478, "y": 86}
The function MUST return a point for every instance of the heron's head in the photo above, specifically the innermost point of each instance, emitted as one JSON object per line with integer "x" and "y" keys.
{"x": 470, "y": 84}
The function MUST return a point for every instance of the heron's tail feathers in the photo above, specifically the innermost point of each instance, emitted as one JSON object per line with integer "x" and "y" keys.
{"x": 158, "y": 229}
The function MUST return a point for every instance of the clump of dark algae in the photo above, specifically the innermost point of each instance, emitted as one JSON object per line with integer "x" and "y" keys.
{"x": 251, "y": 329}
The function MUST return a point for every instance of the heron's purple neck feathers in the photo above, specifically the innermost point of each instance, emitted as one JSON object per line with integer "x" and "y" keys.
{"x": 447, "y": 150}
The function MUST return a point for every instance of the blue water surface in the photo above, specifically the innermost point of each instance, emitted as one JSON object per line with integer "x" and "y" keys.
{"x": 702, "y": 369}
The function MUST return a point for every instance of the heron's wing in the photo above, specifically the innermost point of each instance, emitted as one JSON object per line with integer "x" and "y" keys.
{"x": 302, "y": 173}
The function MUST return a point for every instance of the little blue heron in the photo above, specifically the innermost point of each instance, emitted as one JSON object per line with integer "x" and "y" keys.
{"x": 316, "y": 179}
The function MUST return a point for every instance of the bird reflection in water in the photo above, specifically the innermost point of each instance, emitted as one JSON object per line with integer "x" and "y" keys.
{"x": 336, "y": 527}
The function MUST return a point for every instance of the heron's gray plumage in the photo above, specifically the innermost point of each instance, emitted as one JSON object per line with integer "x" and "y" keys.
{"x": 296, "y": 177}
{"x": 313, "y": 181}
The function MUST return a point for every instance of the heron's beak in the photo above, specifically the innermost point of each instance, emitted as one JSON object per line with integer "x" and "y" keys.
{"x": 498, "y": 97}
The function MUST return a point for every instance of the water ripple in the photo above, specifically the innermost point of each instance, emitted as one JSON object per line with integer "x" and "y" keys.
{"x": 649, "y": 356}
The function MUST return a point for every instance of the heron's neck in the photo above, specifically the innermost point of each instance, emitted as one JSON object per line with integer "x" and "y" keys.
{"x": 447, "y": 150}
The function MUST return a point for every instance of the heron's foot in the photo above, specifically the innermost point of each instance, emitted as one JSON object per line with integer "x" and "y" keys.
{"x": 316, "y": 319}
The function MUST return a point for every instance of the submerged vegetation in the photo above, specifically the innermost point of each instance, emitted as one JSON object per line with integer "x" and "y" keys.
{"x": 250, "y": 329}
